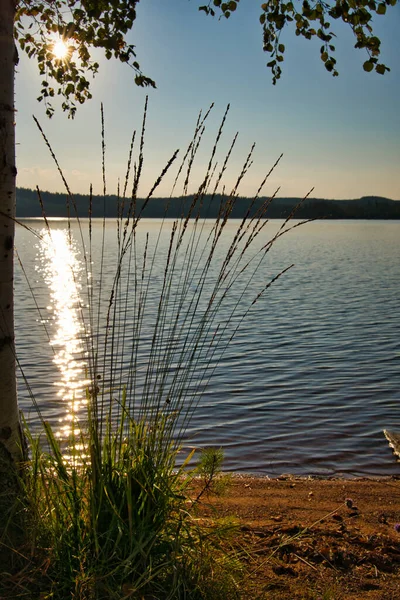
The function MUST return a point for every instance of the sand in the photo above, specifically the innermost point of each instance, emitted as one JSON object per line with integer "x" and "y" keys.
{"x": 315, "y": 539}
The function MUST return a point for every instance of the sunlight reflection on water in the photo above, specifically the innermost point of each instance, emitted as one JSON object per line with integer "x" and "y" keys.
{"x": 60, "y": 266}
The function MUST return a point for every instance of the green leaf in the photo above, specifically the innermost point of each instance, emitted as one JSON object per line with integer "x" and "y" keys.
{"x": 381, "y": 69}
{"x": 374, "y": 42}
{"x": 368, "y": 66}
{"x": 329, "y": 65}
{"x": 381, "y": 10}
{"x": 281, "y": 48}
{"x": 324, "y": 56}
{"x": 69, "y": 89}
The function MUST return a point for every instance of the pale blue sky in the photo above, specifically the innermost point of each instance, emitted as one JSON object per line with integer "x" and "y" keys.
{"x": 338, "y": 135}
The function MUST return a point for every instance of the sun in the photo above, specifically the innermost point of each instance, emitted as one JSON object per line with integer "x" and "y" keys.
{"x": 60, "y": 50}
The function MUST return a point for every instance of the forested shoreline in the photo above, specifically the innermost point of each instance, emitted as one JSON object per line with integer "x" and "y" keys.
{"x": 59, "y": 205}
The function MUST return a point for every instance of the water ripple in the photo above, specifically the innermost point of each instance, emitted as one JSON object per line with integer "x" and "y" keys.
{"x": 313, "y": 377}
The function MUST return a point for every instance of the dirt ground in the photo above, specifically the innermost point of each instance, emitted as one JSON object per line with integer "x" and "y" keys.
{"x": 314, "y": 539}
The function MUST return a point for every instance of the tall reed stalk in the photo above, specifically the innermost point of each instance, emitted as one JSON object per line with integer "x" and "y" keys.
{"x": 115, "y": 519}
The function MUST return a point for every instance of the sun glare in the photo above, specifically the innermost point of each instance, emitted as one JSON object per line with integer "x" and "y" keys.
{"x": 60, "y": 50}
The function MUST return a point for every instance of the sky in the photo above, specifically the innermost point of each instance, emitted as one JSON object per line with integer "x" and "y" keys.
{"x": 340, "y": 136}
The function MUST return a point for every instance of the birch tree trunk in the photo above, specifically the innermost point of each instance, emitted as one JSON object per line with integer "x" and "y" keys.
{"x": 10, "y": 440}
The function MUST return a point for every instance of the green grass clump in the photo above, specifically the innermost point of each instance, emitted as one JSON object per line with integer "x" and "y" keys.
{"x": 108, "y": 513}
{"x": 119, "y": 525}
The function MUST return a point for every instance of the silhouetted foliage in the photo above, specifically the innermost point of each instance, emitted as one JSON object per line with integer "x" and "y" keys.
{"x": 313, "y": 20}
{"x": 82, "y": 25}
{"x": 55, "y": 205}
{"x": 86, "y": 24}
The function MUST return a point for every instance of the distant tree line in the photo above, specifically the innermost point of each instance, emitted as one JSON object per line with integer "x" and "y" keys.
{"x": 59, "y": 205}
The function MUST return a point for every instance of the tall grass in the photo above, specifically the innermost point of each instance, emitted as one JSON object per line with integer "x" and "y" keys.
{"x": 108, "y": 512}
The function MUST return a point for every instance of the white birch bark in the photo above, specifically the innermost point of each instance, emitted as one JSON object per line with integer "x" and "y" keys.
{"x": 9, "y": 414}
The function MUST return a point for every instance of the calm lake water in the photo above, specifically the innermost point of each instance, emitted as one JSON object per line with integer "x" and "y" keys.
{"x": 306, "y": 386}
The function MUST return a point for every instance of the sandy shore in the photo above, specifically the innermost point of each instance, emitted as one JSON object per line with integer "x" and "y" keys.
{"x": 317, "y": 539}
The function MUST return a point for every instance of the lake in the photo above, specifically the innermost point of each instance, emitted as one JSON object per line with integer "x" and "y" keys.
{"x": 308, "y": 383}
